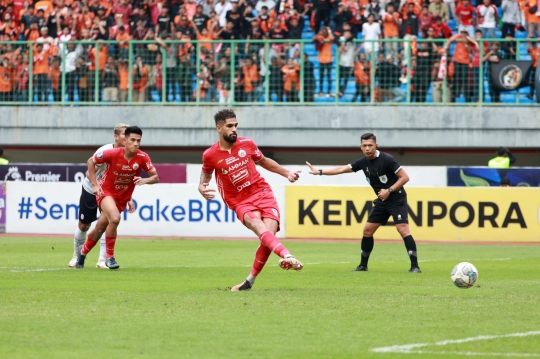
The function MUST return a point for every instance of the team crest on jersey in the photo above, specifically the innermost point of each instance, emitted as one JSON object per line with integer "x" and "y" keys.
{"x": 224, "y": 171}
{"x": 242, "y": 153}
{"x": 100, "y": 155}
{"x": 136, "y": 166}
{"x": 383, "y": 179}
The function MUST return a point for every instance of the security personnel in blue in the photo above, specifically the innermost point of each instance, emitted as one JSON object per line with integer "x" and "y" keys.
{"x": 503, "y": 160}
{"x": 387, "y": 178}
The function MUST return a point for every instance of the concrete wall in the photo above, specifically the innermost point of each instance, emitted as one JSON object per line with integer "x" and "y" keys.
{"x": 313, "y": 126}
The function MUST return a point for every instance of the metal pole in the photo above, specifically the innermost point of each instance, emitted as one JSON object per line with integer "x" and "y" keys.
{"x": 409, "y": 71}
{"x": 302, "y": 73}
{"x": 198, "y": 71}
{"x": 267, "y": 73}
{"x": 96, "y": 75}
{"x": 233, "y": 66}
{"x": 31, "y": 75}
{"x": 481, "y": 73}
{"x": 372, "y": 74}
{"x": 518, "y": 58}
{"x": 130, "y": 72}
{"x": 337, "y": 75}
{"x": 64, "y": 74}
{"x": 164, "y": 75}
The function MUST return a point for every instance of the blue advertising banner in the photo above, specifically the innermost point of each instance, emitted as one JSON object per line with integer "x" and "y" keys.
{"x": 485, "y": 176}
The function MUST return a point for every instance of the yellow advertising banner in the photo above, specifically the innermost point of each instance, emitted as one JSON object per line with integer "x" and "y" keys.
{"x": 435, "y": 214}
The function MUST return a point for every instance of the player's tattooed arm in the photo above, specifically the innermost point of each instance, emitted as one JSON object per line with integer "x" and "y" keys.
{"x": 329, "y": 171}
{"x": 153, "y": 178}
{"x": 207, "y": 193}
{"x": 272, "y": 166}
{"x": 96, "y": 189}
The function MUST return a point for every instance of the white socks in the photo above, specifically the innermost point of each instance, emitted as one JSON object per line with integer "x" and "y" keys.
{"x": 102, "y": 249}
{"x": 78, "y": 240}
{"x": 251, "y": 279}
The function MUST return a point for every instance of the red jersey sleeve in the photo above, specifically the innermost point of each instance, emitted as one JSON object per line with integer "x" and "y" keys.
{"x": 208, "y": 167}
{"x": 102, "y": 157}
{"x": 148, "y": 166}
{"x": 257, "y": 154}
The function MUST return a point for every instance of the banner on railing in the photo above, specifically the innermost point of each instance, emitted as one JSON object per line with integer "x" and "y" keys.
{"x": 58, "y": 172}
{"x": 511, "y": 75}
{"x": 435, "y": 214}
{"x": 175, "y": 210}
{"x": 485, "y": 176}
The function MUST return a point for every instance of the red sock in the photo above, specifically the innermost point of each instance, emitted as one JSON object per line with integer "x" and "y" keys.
{"x": 87, "y": 246}
{"x": 261, "y": 256}
{"x": 271, "y": 242}
{"x": 109, "y": 246}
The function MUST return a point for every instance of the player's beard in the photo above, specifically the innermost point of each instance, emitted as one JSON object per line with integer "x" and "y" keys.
{"x": 230, "y": 138}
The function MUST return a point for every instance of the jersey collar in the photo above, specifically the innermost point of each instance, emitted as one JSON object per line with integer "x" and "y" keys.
{"x": 377, "y": 153}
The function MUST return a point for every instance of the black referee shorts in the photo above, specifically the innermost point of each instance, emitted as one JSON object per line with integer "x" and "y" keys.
{"x": 381, "y": 211}
{"x": 87, "y": 207}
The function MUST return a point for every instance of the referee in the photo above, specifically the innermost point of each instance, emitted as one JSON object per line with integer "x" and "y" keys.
{"x": 387, "y": 179}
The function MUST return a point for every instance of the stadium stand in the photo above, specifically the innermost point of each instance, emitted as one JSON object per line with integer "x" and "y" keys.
{"x": 247, "y": 51}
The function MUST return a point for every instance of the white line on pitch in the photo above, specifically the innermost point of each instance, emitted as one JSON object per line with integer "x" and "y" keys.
{"x": 409, "y": 348}
{"x": 474, "y": 353}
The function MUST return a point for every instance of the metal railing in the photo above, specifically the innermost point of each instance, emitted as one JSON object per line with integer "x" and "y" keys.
{"x": 286, "y": 72}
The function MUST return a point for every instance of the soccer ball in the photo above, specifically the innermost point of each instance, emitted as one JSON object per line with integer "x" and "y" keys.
{"x": 464, "y": 275}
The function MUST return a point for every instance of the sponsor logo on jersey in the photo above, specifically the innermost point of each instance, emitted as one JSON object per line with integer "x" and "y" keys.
{"x": 99, "y": 155}
{"x": 383, "y": 179}
{"x": 239, "y": 164}
{"x": 245, "y": 139}
{"x": 126, "y": 168}
{"x": 224, "y": 171}
{"x": 239, "y": 176}
{"x": 243, "y": 185}
{"x": 120, "y": 187}
{"x": 230, "y": 160}
{"x": 149, "y": 165}
{"x": 242, "y": 153}
{"x": 399, "y": 217}
{"x": 135, "y": 166}
{"x": 118, "y": 164}
{"x": 221, "y": 160}
{"x": 275, "y": 212}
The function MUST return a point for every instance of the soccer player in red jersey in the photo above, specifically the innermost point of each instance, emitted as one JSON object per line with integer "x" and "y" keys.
{"x": 243, "y": 190}
{"x": 114, "y": 189}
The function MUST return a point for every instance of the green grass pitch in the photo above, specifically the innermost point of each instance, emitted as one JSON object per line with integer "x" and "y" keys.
{"x": 169, "y": 300}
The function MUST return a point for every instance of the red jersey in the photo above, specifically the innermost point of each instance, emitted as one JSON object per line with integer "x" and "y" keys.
{"x": 117, "y": 179}
{"x": 236, "y": 175}
{"x": 465, "y": 14}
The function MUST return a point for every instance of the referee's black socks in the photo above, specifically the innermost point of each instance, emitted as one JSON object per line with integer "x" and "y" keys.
{"x": 367, "y": 247}
{"x": 411, "y": 250}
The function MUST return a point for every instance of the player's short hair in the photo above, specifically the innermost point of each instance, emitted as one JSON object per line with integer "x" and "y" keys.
{"x": 501, "y": 151}
{"x": 223, "y": 115}
{"x": 132, "y": 129}
{"x": 120, "y": 126}
{"x": 368, "y": 136}
{"x": 505, "y": 180}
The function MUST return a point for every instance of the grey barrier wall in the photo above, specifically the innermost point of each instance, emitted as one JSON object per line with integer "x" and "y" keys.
{"x": 280, "y": 126}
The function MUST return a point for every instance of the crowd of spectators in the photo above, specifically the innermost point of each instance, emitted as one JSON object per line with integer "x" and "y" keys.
{"x": 69, "y": 41}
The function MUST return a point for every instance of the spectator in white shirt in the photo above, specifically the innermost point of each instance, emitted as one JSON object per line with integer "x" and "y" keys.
{"x": 72, "y": 53}
{"x": 488, "y": 18}
{"x": 221, "y": 8}
{"x": 270, "y": 4}
{"x": 371, "y": 30}
{"x": 45, "y": 39}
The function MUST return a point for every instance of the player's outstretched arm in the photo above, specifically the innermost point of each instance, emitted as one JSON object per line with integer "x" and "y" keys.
{"x": 329, "y": 171}
{"x": 91, "y": 173}
{"x": 272, "y": 166}
{"x": 152, "y": 178}
{"x": 207, "y": 193}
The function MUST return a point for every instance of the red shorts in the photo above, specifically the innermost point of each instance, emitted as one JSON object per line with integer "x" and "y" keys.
{"x": 263, "y": 202}
{"x": 120, "y": 205}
